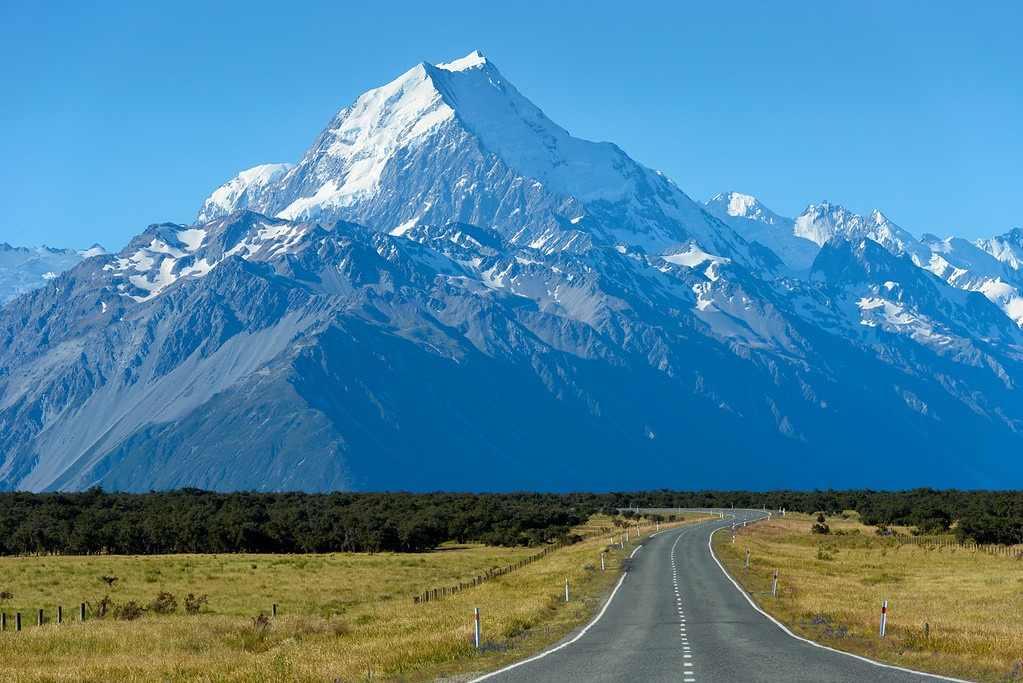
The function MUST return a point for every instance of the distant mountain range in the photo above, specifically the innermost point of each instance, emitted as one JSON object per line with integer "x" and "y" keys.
{"x": 449, "y": 291}
{"x": 24, "y": 269}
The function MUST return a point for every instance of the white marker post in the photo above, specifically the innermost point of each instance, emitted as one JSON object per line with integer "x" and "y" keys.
{"x": 637, "y": 531}
{"x": 774, "y": 588}
{"x": 747, "y": 558}
{"x": 566, "y": 590}
{"x": 477, "y": 615}
{"x": 884, "y": 615}
{"x": 602, "y": 562}
{"x": 626, "y": 536}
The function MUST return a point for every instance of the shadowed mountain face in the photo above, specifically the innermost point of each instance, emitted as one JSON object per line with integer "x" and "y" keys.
{"x": 448, "y": 291}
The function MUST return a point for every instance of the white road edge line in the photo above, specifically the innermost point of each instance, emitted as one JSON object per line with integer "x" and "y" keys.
{"x": 588, "y": 626}
{"x": 786, "y": 629}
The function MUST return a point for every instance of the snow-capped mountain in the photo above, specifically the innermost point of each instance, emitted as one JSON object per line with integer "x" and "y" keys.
{"x": 24, "y": 269}
{"x": 993, "y": 267}
{"x": 449, "y": 291}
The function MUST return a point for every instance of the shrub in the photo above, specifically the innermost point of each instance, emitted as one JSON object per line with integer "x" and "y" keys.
{"x": 193, "y": 603}
{"x": 165, "y": 603}
{"x": 129, "y": 611}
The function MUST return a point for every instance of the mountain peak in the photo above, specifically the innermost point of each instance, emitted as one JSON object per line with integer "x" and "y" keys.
{"x": 456, "y": 109}
{"x": 741, "y": 205}
{"x": 474, "y": 59}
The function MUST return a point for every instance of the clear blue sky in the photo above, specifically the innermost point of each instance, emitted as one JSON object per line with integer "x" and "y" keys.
{"x": 115, "y": 115}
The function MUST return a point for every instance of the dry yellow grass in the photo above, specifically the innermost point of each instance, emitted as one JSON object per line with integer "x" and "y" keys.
{"x": 341, "y": 617}
{"x": 950, "y": 611}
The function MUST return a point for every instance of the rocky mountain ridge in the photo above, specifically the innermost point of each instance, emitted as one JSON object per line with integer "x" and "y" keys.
{"x": 448, "y": 291}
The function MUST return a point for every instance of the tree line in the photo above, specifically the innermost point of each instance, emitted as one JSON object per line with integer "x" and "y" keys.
{"x": 986, "y": 517}
{"x": 196, "y": 521}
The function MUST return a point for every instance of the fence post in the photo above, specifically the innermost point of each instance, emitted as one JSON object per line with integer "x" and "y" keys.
{"x": 81, "y": 611}
{"x": 477, "y": 615}
{"x": 17, "y": 621}
{"x": 40, "y": 618}
{"x": 60, "y": 614}
{"x": 273, "y": 610}
{"x": 884, "y": 615}
{"x": 3, "y": 621}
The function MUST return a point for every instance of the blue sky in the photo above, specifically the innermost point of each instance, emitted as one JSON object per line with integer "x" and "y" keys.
{"x": 115, "y": 115}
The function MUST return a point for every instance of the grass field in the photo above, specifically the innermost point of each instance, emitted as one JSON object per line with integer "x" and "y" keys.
{"x": 950, "y": 611}
{"x": 341, "y": 617}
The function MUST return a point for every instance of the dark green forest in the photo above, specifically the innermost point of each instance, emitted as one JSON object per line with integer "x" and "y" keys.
{"x": 195, "y": 521}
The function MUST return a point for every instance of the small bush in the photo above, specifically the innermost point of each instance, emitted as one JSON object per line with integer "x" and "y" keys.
{"x": 193, "y": 603}
{"x": 129, "y": 611}
{"x": 108, "y": 580}
{"x": 165, "y": 603}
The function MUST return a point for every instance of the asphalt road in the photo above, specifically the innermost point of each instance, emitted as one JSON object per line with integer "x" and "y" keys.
{"x": 676, "y": 616}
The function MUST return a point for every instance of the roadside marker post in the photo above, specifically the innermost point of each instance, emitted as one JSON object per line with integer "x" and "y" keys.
{"x": 602, "y": 562}
{"x": 477, "y": 615}
{"x": 884, "y": 615}
{"x": 566, "y": 590}
{"x": 747, "y": 558}
{"x": 774, "y": 588}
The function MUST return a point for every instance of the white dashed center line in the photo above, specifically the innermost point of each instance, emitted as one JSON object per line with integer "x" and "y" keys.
{"x": 687, "y": 666}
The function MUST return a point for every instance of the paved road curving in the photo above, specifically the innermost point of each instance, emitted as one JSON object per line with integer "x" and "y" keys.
{"x": 676, "y": 616}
